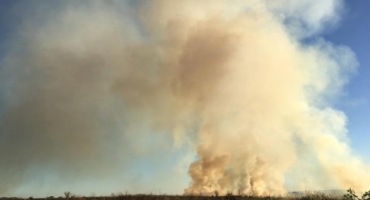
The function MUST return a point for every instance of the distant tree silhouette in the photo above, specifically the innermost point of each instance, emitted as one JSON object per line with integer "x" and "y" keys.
{"x": 67, "y": 195}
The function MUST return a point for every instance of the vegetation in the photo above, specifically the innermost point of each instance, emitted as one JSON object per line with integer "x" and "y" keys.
{"x": 350, "y": 195}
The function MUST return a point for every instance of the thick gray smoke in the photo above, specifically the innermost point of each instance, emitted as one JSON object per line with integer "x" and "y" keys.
{"x": 90, "y": 87}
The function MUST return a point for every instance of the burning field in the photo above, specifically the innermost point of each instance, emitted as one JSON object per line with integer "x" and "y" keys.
{"x": 241, "y": 89}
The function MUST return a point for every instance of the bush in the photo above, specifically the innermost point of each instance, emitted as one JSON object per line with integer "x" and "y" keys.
{"x": 351, "y": 195}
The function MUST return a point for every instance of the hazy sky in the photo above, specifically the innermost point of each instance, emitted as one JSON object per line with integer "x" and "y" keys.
{"x": 116, "y": 96}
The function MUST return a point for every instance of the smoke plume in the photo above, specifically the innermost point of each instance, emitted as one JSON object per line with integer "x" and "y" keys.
{"x": 90, "y": 86}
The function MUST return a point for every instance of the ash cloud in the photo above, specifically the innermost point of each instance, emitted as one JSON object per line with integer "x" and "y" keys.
{"x": 83, "y": 88}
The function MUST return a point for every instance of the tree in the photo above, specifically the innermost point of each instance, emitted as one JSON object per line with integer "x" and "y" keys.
{"x": 67, "y": 195}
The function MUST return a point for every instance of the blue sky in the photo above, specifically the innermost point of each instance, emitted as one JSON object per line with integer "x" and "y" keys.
{"x": 354, "y": 32}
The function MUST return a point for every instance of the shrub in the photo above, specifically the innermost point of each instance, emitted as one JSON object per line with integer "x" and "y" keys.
{"x": 351, "y": 195}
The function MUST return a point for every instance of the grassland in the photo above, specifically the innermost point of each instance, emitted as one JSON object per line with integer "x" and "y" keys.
{"x": 350, "y": 195}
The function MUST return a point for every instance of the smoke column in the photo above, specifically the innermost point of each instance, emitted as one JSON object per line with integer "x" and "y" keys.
{"x": 87, "y": 88}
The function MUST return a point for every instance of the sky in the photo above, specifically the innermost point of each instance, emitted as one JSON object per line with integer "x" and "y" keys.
{"x": 352, "y": 31}
{"x": 183, "y": 97}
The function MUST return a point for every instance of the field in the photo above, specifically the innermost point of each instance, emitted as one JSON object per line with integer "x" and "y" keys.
{"x": 318, "y": 196}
